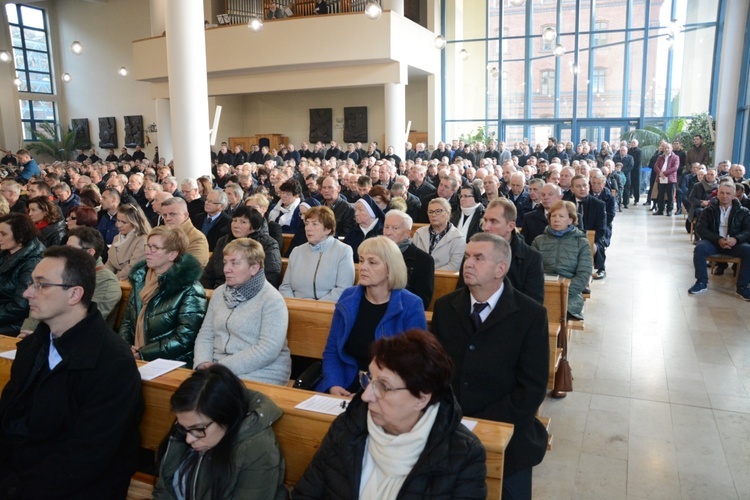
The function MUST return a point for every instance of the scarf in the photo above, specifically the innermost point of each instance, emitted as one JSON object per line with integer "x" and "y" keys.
{"x": 436, "y": 237}
{"x": 467, "y": 214}
{"x": 709, "y": 186}
{"x": 150, "y": 287}
{"x": 562, "y": 233}
{"x": 41, "y": 224}
{"x": 283, "y": 215}
{"x": 404, "y": 245}
{"x": 394, "y": 456}
{"x": 236, "y": 295}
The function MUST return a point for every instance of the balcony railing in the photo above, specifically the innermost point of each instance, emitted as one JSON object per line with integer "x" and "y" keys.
{"x": 240, "y": 11}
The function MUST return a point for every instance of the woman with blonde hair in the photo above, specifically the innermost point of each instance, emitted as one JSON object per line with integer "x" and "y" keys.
{"x": 128, "y": 247}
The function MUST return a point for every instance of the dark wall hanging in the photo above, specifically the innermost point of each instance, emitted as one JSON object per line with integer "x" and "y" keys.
{"x": 321, "y": 125}
{"x": 133, "y": 131}
{"x": 355, "y": 124}
{"x": 107, "y": 132}
{"x": 80, "y": 127}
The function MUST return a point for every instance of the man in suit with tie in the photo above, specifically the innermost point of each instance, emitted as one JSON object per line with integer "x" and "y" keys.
{"x": 497, "y": 338}
{"x": 214, "y": 222}
{"x": 592, "y": 215}
{"x": 535, "y": 221}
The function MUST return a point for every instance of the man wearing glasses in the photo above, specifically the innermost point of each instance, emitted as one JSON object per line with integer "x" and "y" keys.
{"x": 69, "y": 414}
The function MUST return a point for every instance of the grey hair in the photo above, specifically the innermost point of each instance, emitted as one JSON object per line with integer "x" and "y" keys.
{"x": 402, "y": 215}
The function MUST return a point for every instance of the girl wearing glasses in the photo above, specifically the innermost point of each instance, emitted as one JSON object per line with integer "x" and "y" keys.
{"x": 222, "y": 444}
{"x": 401, "y": 436}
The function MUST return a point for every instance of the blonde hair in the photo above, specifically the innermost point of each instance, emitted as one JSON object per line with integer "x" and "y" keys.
{"x": 387, "y": 251}
{"x": 249, "y": 249}
{"x": 175, "y": 239}
{"x": 566, "y": 205}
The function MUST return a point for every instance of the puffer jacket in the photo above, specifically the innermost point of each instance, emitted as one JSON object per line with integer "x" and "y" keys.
{"x": 15, "y": 276}
{"x": 738, "y": 225}
{"x": 174, "y": 314}
{"x": 53, "y": 234}
{"x": 452, "y": 464}
{"x": 570, "y": 257}
{"x": 213, "y": 274}
{"x": 257, "y": 463}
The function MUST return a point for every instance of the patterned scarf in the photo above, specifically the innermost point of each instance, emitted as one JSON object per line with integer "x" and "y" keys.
{"x": 236, "y": 295}
{"x": 436, "y": 237}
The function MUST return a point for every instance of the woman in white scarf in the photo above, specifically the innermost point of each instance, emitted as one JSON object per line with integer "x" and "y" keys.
{"x": 402, "y": 435}
{"x": 468, "y": 220}
{"x": 289, "y": 200}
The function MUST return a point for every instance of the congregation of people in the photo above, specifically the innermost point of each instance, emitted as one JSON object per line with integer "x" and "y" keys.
{"x": 74, "y": 234}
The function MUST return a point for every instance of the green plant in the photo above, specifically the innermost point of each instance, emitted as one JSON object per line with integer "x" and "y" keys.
{"x": 51, "y": 146}
{"x": 649, "y": 137}
{"x": 479, "y": 136}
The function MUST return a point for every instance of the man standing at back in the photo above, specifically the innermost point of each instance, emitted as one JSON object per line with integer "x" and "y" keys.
{"x": 69, "y": 414}
{"x": 498, "y": 340}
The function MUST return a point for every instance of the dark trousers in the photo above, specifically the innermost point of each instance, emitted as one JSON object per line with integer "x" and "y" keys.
{"x": 635, "y": 183}
{"x": 517, "y": 486}
{"x": 626, "y": 190}
{"x": 668, "y": 191}
{"x": 600, "y": 257}
{"x": 705, "y": 248}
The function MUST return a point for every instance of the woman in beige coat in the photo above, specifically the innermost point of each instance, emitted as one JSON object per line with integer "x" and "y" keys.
{"x": 128, "y": 246}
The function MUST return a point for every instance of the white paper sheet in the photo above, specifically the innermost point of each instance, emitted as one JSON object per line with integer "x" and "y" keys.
{"x": 469, "y": 424}
{"x": 8, "y": 354}
{"x": 323, "y": 404}
{"x": 158, "y": 367}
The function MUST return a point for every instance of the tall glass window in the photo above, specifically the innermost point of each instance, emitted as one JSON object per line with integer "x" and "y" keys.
{"x": 631, "y": 61}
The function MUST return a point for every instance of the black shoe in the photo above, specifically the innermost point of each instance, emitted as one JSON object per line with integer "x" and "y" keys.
{"x": 625, "y": 206}
{"x": 720, "y": 268}
{"x": 585, "y": 291}
{"x": 658, "y": 213}
{"x": 669, "y": 214}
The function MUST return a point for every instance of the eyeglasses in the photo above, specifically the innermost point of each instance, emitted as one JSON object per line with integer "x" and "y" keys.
{"x": 464, "y": 196}
{"x": 196, "y": 432}
{"x": 38, "y": 285}
{"x": 379, "y": 389}
{"x": 436, "y": 212}
{"x": 152, "y": 248}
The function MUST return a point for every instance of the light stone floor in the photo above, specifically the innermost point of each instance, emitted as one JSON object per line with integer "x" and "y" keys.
{"x": 661, "y": 407}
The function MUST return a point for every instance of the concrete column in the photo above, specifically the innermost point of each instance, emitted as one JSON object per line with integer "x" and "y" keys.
{"x": 395, "y": 118}
{"x": 729, "y": 78}
{"x": 164, "y": 125}
{"x": 434, "y": 107}
{"x": 158, "y": 11}
{"x": 394, "y": 6}
{"x": 188, "y": 87}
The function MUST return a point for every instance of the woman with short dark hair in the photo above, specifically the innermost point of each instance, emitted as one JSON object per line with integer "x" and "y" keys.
{"x": 20, "y": 252}
{"x": 289, "y": 200}
{"x": 222, "y": 444}
{"x": 82, "y": 216}
{"x": 401, "y": 436}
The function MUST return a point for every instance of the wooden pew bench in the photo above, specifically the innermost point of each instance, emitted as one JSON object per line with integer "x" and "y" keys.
{"x": 299, "y": 432}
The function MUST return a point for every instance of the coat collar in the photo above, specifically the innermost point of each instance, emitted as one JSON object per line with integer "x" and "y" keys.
{"x": 505, "y": 306}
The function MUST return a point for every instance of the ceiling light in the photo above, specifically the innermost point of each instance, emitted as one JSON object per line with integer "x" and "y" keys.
{"x": 17, "y": 82}
{"x": 5, "y": 56}
{"x": 559, "y": 50}
{"x": 549, "y": 34}
{"x": 439, "y": 42}
{"x": 463, "y": 54}
{"x": 123, "y": 71}
{"x": 66, "y": 77}
{"x": 255, "y": 24}
{"x": 373, "y": 10}
{"x": 77, "y": 48}
{"x": 516, "y": 3}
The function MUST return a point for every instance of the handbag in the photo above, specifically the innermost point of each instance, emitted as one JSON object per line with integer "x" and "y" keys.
{"x": 564, "y": 374}
{"x": 310, "y": 378}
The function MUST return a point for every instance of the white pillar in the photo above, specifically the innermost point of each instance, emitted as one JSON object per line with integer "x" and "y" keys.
{"x": 434, "y": 106}
{"x": 158, "y": 11}
{"x": 394, "y": 6}
{"x": 729, "y": 78}
{"x": 395, "y": 118}
{"x": 188, "y": 87}
{"x": 164, "y": 125}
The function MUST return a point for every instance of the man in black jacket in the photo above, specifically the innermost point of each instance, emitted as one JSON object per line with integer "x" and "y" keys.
{"x": 535, "y": 221}
{"x": 498, "y": 340}
{"x": 214, "y": 222}
{"x": 70, "y": 412}
{"x": 592, "y": 216}
{"x": 724, "y": 228}
{"x": 330, "y": 189}
{"x": 420, "y": 265}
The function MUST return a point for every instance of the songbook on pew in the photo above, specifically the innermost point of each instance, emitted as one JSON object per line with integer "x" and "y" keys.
{"x": 8, "y": 354}
{"x": 551, "y": 277}
{"x": 158, "y": 367}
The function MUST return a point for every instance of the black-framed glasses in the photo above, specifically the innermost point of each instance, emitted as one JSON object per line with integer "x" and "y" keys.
{"x": 151, "y": 248}
{"x": 379, "y": 389}
{"x": 196, "y": 432}
{"x": 38, "y": 285}
{"x": 437, "y": 211}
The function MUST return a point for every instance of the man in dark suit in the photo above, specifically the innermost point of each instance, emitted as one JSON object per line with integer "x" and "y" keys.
{"x": 622, "y": 156}
{"x": 413, "y": 204}
{"x": 602, "y": 193}
{"x": 535, "y": 221}
{"x": 420, "y": 265}
{"x": 214, "y": 222}
{"x": 518, "y": 193}
{"x": 592, "y": 215}
{"x": 498, "y": 340}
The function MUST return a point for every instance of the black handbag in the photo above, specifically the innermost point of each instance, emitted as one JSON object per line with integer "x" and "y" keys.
{"x": 311, "y": 377}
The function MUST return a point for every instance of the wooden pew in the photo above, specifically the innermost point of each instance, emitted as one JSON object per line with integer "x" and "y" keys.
{"x": 299, "y": 432}
{"x": 287, "y": 241}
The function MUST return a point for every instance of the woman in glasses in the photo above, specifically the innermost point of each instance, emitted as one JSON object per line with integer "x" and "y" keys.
{"x": 20, "y": 252}
{"x": 401, "y": 436}
{"x": 129, "y": 245}
{"x": 441, "y": 239}
{"x": 222, "y": 444}
{"x": 167, "y": 302}
{"x": 379, "y": 306}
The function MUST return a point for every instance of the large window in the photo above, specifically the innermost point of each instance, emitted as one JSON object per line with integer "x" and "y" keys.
{"x": 619, "y": 60}
{"x": 31, "y": 55}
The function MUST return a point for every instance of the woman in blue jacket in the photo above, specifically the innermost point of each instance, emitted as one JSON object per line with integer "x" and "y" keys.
{"x": 378, "y": 306}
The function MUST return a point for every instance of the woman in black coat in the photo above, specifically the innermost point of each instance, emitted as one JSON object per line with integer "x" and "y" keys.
{"x": 48, "y": 220}
{"x": 402, "y": 435}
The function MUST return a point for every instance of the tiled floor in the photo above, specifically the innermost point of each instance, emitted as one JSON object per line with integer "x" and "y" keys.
{"x": 661, "y": 407}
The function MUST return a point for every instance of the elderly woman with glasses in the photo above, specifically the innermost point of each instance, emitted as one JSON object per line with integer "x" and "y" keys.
{"x": 167, "y": 302}
{"x": 441, "y": 239}
{"x": 379, "y": 306}
{"x": 401, "y": 436}
{"x": 222, "y": 444}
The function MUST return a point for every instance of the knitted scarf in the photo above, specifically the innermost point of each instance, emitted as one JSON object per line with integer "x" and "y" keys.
{"x": 709, "y": 186}
{"x": 236, "y": 295}
{"x": 562, "y": 233}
